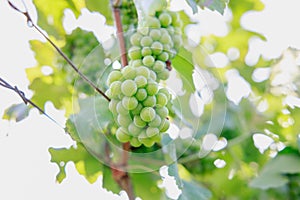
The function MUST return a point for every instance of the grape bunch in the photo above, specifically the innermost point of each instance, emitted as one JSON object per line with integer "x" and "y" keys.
{"x": 129, "y": 15}
{"x": 138, "y": 105}
{"x": 156, "y": 42}
{"x": 79, "y": 45}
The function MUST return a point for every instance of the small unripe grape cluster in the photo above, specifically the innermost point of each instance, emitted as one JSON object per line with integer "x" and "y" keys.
{"x": 138, "y": 105}
{"x": 156, "y": 42}
{"x": 129, "y": 15}
{"x": 79, "y": 45}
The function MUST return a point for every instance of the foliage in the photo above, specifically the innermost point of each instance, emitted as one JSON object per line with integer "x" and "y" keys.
{"x": 270, "y": 111}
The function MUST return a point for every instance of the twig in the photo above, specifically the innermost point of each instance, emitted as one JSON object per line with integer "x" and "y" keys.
{"x": 5, "y": 84}
{"x": 31, "y": 24}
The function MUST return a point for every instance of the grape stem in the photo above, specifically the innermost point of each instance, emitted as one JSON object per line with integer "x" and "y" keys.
{"x": 31, "y": 24}
{"x": 121, "y": 176}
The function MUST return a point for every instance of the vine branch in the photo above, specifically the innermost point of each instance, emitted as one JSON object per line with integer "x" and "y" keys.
{"x": 31, "y": 24}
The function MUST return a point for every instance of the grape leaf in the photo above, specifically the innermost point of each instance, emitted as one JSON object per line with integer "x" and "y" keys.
{"x": 85, "y": 163}
{"x": 102, "y": 7}
{"x": 218, "y": 5}
{"x": 191, "y": 190}
{"x": 50, "y": 14}
{"x": 273, "y": 173}
{"x": 16, "y": 112}
{"x": 183, "y": 63}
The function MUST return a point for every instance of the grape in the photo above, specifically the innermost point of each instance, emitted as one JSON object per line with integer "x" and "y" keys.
{"x": 128, "y": 72}
{"x": 139, "y": 122}
{"x": 122, "y": 134}
{"x": 153, "y": 75}
{"x": 124, "y": 120}
{"x": 151, "y": 131}
{"x": 113, "y": 106}
{"x": 152, "y": 88}
{"x": 165, "y": 39}
{"x": 165, "y": 19}
{"x": 157, "y": 48}
{"x": 161, "y": 100}
{"x": 166, "y": 92}
{"x": 164, "y": 56}
{"x": 134, "y": 53}
{"x": 137, "y": 110}
{"x": 143, "y": 71}
{"x": 162, "y": 112}
{"x": 120, "y": 109}
{"x": 113, "y": 76}
{"x": 165, "y": 124}
{"x": 164, "y": 75}
{"x": 147, "y": 114}
{"x": 140, "y": 81}
{"x": 135, "y": 39}
{"x": 148, "y": 61}
{"x": 155, "y": 122}
{"x": 115, "y": 89}
{"x": 146, "y": 51}
{"x": 146, "y": 41}
{"x": 159, "y": 66}
{"x": 141, "y": 94}
{"x": 135, "y": 142}
{"x": 129, "y": 103}
{"x": 136, "y": 63}
{"x": 152, "y": 22}
{"x": 128, "y": 88}
{"x": 150, "y": 101}
{"x": 155, "y": 34}
{"x": 134, "y": 130}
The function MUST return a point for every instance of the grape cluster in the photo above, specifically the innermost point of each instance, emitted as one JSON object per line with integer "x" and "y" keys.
{"x": 129, "y": 15}
{"x": 156, "y": 42}
{"x": 78, "y": 45}
{"x": 138, "y": 105}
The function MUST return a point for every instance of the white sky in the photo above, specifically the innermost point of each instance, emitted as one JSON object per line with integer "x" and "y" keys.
{"x": 25, "y": 169}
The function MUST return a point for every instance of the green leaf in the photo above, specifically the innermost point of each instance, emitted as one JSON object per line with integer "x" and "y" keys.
{"x": 298, "y": 140}
{"x": 146, "y": 185}
{"x": 191, "y": 190}
{"x": 86, "y": 164}
{"x": 218, "y": 5}
{"x": 90, "y": 124}
{"x": 16, "y": 112}
{"x": 183, "y": 63}
{"x": 50, "y": 14}
{"x": 108, "y": 182}
{"x": 103, "y": 7}
{"x": 193, "y": 5}
{"x": 273, "y": 173}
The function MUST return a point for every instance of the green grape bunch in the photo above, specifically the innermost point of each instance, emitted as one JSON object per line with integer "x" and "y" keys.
{"x": 129, "y": 15}
{"x": 79, "y": 44}
{"x": 156, "y": 42}
{"x": 139, "y": 105}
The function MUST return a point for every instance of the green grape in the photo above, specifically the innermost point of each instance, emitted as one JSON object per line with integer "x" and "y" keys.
{"x": 140, "y": 81}
{"x": 128, "y": 72}
{"x": 134, "y": 130}
{"x": 143, "y": 71}
{"x": 177, "y": 41}
{"x": 166, "y": 92}
{"x": 146, "y": 51}
{"x": 152, "y": 88}
{"x": 166, "y": 38}
{"x": 135, "y": 39}
{"x": 134, "y": 53}
{"x": 147, "y": 142}
{"x": 112, "y": 106}
{"x": 146, "y": 41}
{"x": 144, "y": 30}
{"x": 165, "y": 19}
{"x": 115, "y": 89}
{"x": 137, "y": 110}
{"x": 113, "y": 76}
{"x": 164, "y": 75}
{"x": 129, "y": 103}
{"x": 161, "y": 100}
{"x": 164, "y": 56}
{"x": 124, "y": 120}
{"x": 157, "y": 48}
{"x": 159, "y": 66}
{"x": 153, "y": 75}
{"x": 152, "y": 22}
{"x": 151, "y": 131}
{"x": 141, "y": 94}
{"x": 136, "y": 63}
{"x": 164, "y": 126}
{"x": 128, "y": 88}
{"x": 150, "y": 101}
{"x": 155, "y": 34}
{"x": 135, "y": 142}
{"x": 162, "y": 112}
{"x": 122, "y": 135}
{"x": 155, "y": 122}
{"x": 147, "y": 114}
{"x": 139, "y": 122}
{"x": 148, "y": 61}
{"x": 171, "y": 30}
{"x": 120, "y": 109}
